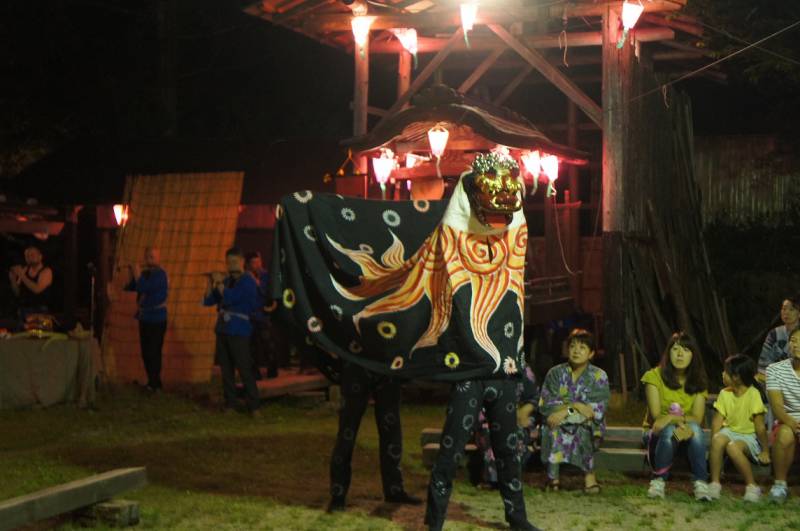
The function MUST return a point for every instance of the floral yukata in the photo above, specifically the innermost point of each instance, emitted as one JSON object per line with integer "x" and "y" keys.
{"x": 573, "y": 443}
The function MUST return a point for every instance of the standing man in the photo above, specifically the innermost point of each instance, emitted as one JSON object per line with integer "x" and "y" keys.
{"x": 31, "y": 284}
{"x": 150, "y": 284}
{"x": 262, "y": 344}
{"x": 358, "y": 385}
{"x": 236, "y": 298}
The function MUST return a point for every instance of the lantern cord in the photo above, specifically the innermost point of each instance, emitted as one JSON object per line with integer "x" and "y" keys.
{"x": 565, "y": 46}
{"x": 718, "y": 61}
{"x": 560, "y": 241}
{"x": 743, "y": 41}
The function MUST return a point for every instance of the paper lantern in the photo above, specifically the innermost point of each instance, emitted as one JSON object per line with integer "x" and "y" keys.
{"x": 469, "y": 12}
{"x": 383, "y": 166}
{"x": 437, "y": 138}
{"x": 408, "y": 38}
{"x": 550, "y": 167}
{"x": 533, "y": 163}
{"x": 121, "y": 214}
{"x": 413, "y": 160}
{"x": 630, "y": 14}
{"x": 361, "y": 25}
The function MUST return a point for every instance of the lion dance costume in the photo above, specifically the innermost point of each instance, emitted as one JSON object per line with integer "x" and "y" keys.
{"x": 419, "y": 289}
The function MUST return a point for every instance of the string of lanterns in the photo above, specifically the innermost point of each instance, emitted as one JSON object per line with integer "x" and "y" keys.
{"x": 536, "y": 163}
{"x": 361, "y": 24}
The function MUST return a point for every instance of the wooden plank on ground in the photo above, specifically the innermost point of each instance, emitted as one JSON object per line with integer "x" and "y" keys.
{"x": 68, "y": 497}
{"x": 291, "y": 384}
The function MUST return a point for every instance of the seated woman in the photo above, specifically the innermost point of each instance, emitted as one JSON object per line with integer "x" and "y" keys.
{"x": 776, "y": 344}
{"x": 783, "y": 387}
{"x": 574, "y": 400}
{"x": 738, "y": 428}
{"x": 676, "y": 393}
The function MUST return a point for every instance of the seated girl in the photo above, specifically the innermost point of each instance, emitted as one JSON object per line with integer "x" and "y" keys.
{"x": 783, "y": 388}
{"x": 676, "y": 394}
{"x": 574, "y": 400}
{"x": 738, "y": 428}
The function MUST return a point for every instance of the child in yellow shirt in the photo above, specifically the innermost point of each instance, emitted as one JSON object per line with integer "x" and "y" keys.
{"x": 738, "y": 429}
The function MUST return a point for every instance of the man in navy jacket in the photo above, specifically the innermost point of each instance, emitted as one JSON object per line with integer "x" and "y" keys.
{"x": 236, "y": 298}
{"x": 150, "y": 284}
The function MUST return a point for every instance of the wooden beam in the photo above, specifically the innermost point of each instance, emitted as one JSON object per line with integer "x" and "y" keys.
{"x": 509, "y": 89}
{"x": 677, "y": 56}
{"x": 538, "y": 61}
{"x": 374, "y": 111}
{"x": 68, "y": 497}
{"x": 507, "y": 14}
{"x": 684, "y": 26}
{"x": 560, "y": 128}
{"x": 426, "y": 73}
{"x": 480, "y": 43}
{"x": 474, "y": 143}
{"x": 300, "y": 9}
{"x": 688, "y": 48}
{"x": 403, "y": 72}
{"x": 481, "y": 69}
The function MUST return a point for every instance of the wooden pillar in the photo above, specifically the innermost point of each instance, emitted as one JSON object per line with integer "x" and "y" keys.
{"x": 70, "y": 277}
{"x": 573, "y": 237}
{"x": 361, "y": 101}
{"x": 403, "y": 73}
{"x": 617, "y": 82}
{"x": 105, "y": 262}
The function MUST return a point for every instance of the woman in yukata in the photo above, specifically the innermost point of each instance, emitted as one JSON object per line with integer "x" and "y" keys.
{"x": 574, "y": 401}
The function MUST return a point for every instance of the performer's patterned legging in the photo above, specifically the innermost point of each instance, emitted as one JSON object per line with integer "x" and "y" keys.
{"x": 499, "y": 397}
{"x": 357, "y": 386}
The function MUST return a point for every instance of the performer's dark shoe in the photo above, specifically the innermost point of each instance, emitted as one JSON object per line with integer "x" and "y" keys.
{"x": 336, "y": 505}
{"x": 404, "y": 498}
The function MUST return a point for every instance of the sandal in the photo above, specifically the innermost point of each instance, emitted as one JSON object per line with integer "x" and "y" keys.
{"x": 552, "y": 485}
{"x": 592, "y": 489}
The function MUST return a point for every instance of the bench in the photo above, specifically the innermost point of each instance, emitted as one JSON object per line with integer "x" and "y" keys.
{"x": 73, "y": 496}
{"x": 621, "y": 451}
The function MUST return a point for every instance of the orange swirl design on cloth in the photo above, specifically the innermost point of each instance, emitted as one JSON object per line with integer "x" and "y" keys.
{"x": 447, "y": 261}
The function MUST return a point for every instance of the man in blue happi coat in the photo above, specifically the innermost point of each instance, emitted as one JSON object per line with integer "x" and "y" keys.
{"x": 150, "y": 284}
{"x": 236, "y": 298}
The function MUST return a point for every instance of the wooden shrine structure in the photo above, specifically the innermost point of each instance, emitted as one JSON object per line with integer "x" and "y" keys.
{"x": 655, "y": 274}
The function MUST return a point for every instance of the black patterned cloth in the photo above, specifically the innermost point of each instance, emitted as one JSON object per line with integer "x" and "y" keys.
{"x": 410, "y": 289}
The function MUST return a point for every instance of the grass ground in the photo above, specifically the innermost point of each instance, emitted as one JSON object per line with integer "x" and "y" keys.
{"x": 213, "y": 471}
